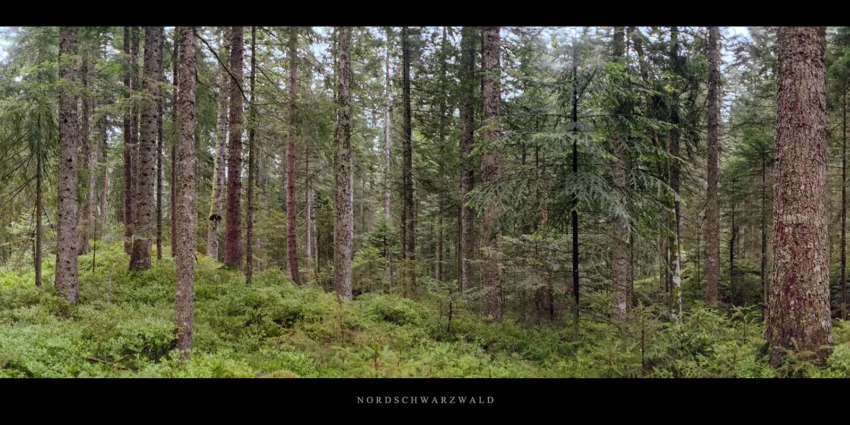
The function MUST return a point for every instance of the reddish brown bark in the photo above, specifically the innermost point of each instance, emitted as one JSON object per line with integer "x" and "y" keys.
{"x": 233, "y": 221}
{"x": 798, "y": 306}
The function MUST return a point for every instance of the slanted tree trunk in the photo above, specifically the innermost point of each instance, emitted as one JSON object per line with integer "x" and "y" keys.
{"x": 233, "y": 221}
{"x": 252, "y": 161}
{"x": 343, "y": 205}
{"x": 291, "y": 238}
{"x": 712, "y": 206}
{"x": 217, "y": 202}
{"x": 491, "y": 170}
{"x": 66, "y": 243}
{"x": 146, "y": 169}
{"x": 467, "y": 174}
{"x": 184, "y": 304}
{"x": 798, "y": 307}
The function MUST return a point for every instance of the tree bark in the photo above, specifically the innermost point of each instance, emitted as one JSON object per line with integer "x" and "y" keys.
{"x": 712, "y": 205}
{"x": 491, "y": 171}
{"x": 343, "y": 205}
{"x": 387, "y": 135}
{"x": 128, "y": 146}
{"x": 291, "y": 238}
{"x": 175, "y": 59}
{"x": 252, "y": 161}
{"x": 408, "y": 227}
{"x": 146, "y": 169}
{"x": 134, "y": 132}
{"x": 798, "y": 310}
{"x": 66, "y": 244}
{"x": 185, "y": 244}
{"x": 217, "y": 202}
{"x": 467, "y": 174}
{"x": 85, "y": 152}
{"x": 233, "y": 222}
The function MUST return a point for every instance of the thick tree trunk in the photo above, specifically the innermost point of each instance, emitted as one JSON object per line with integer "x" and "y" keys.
{"x": 843, "y": 285}
{"x": 343, "y": 205}
{"x": 252, "y": 164}
{"x": 798, "y": 307}
{"x": 184, "y": 304}
{"x": 291, "y": 238}
{"x": 712, "y": 205}
{"x": 308, "y": 251}
{"x": 467, "y": 174}
{"x": 619, "y": 229}
{"x": 217, "y": 202}
{"x": 491, "y": 170}
{"x": 66, "y": 244}
{"x": 233, "y": 221}
{"x": 146, "y": 169}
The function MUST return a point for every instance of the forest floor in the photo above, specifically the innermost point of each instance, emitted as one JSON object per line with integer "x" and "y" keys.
{"x": 122, "y": 326}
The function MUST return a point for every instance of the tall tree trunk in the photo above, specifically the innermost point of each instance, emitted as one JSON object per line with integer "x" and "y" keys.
{"x": 408, "y": 221}
{"x": 763, "y": 257}
{"x": 159, "y": 153}
{"x": 798, "y": 310}
{"x": 619, "y": 228}
{"x": 387, "y": 135}
{"x": 128, "y": 146}
{"x": 252, "y": 164}
{"x": 291, "y": 238}
{"x": 574, "y": 212}
{"x": 843, "y": 204}
{"x": 92, "y": 174}
{"x": 134, "y": 132}
{"x": 674, "y": 149}
{"x": 66, "y": 244}
{"x": 184, "y": 304}
{"x": 467, "y": 174}
{"x": 491, "y": 170}
{"x": 217, "y": 202}
{"x": 85, "y": 151}
{"x": 146, "y": 169}
{"x": 233, "y": 222}
{"x": 175, "y": 59}
{"x": 343, "y": 205}
{"x": 712, "y": 206}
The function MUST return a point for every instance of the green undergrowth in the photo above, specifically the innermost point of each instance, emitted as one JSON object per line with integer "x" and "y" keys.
{"x": 122, "y": 327}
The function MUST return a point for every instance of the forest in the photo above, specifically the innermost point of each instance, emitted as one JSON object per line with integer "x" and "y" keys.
{"x": 512, "y": 202}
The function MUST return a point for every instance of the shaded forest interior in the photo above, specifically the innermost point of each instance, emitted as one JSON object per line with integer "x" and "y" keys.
{"x": 424, "y": 201}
